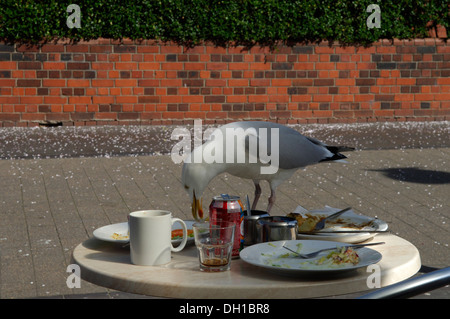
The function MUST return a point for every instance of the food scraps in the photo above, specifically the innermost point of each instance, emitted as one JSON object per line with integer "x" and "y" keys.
{"x": 178, "y": 233}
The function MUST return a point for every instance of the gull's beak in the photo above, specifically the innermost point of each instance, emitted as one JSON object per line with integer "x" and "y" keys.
{"x": 197, "y": 210}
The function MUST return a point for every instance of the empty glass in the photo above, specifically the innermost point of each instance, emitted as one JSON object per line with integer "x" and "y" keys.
{"x": 214, "y": 244}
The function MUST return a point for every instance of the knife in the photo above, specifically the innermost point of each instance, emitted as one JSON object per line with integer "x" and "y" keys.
{"x": 342, "y": 231}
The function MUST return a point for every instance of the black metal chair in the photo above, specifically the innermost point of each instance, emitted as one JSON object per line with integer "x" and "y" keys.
{"x": 413, "y": 286}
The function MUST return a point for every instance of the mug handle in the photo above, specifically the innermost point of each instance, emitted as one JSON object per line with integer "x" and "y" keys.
{"x": 185, "y": 237}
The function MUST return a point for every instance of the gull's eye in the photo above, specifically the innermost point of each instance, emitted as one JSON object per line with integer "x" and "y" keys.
{"x": 186, "y": 187}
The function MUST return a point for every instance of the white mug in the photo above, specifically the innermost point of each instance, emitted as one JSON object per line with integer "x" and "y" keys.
{"x": 150, "y": 237}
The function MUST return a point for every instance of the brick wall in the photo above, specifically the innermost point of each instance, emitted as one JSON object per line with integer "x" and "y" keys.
{"x": 106, "y": 82}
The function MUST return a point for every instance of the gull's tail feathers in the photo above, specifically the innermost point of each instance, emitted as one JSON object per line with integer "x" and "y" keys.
{"x": 337, "y": 156}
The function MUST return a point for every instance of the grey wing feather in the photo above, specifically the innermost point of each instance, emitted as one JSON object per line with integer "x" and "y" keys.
{"x": 294, "y": 149}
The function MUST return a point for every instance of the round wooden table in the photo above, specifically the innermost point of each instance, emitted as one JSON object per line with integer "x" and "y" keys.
{"x": 108, "y": 264}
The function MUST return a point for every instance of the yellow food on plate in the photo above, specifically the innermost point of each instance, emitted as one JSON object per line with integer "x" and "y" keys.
{"x": 308, "y": 223}
{"x": 178, "y": 233}
{"x": 345, "y": 255}
{"x": 118, "y": 236}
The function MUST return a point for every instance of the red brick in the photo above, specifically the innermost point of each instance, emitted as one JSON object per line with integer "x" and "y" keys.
{"x": 54, "y": 65}
{"x": 238, "y": 82}
{"x": 238, "y": 66}
{"x": 236, "y": 99}
{"x": 281, "y": 82}
{"x": 27, "y": 48}
{"x": 194, "y": 66}
{"x": 53, "y": 83}
{"x": 55, "y": 100}
{"x": 442, "y": 97}
{"x": 126, "y": 82}
{"x": 52, "y": 48}
{"x": 9, "y": 100}
{"x": 424, "y": 97}
{"x": 325, "y": 66}
{"x": 322, "y": 98}
{"x": 149, "y": 66}
{"x": 33, "y": 117}
{"x": 216, "y": 83}
{"x": 345, "y": 82}
{"x": 77, "y": 66}
{"x": 106, "y": 116}
{"x": 79, "y": 99}
{"x": 217, "y": 66}
{"x": 78, "y": 83}
{"x": 170, "y": 49}
{"x": 259, "y": 82}
{"x": 126, "y": 66}
{"x": 324, "y": 49}
{"x": 258, "y": 98}
{"x": 172, "y": 66}
{"x": 77, "y": 48}
{"x": 279, "y": 98}
{"x": 386, "y": 113}
{"x": 100, "y": 48}
{"x": 304, "y": 66}
{"x": 28, "y": 83}
{"x": 127, "y": 99}
{"x": 102, "y": 65}
{"x": 31, "y": 99}
{"x": 29, "y": 65}
{"x": 260, "y": 66}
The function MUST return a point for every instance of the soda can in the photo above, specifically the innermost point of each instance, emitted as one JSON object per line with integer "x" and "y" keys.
{"x": 228, "y": 208}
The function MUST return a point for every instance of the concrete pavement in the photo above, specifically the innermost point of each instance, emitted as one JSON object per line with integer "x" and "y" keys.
{"x": 56, "y": 192}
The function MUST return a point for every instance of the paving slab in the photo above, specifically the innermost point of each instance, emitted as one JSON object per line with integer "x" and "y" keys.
{"x": 51, "y": 202}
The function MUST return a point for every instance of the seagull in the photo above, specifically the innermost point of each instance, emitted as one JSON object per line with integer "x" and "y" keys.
{"x": 255, "y": 150}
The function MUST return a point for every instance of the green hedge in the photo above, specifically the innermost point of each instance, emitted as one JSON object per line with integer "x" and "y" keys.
{"x": 241, "y": 21}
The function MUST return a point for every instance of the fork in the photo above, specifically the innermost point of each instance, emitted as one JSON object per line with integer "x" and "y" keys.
{"x": 321, "y": 224}
{"x": 315, "y": 253}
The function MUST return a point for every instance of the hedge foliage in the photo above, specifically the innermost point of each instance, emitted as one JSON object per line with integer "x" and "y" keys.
{"x": 220, "y": 21}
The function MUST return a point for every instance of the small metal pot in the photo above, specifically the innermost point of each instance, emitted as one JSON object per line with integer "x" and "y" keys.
{"x": 274, "y": 228}
{"x": 250, "y": 234}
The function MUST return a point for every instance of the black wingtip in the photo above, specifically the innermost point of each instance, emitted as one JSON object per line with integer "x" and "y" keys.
{"x": 337, "y": 149}
{"x": 336, "y": 155}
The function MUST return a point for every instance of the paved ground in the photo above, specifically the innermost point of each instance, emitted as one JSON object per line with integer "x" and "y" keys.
{"x": 59, "y": 184}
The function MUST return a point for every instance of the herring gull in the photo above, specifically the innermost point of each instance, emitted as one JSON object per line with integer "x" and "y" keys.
{"x": 255, "y": 150}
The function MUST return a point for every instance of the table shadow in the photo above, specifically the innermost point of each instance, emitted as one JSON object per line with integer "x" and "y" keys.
{"x": 120, "y": 253}
{"x": 416, "y": 175}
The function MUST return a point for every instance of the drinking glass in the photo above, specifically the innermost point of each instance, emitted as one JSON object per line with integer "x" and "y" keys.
{"x": 214, "y": 244}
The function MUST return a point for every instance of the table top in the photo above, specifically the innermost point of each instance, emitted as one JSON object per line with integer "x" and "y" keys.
{"x": 108, "y": 264}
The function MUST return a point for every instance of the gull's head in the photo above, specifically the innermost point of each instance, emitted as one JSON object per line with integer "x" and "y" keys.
{"x": 194, "y": 181}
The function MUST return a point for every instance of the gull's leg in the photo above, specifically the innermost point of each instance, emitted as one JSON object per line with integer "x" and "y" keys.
{"x": 257, "y": 194}
{"x": 271, "y": 200}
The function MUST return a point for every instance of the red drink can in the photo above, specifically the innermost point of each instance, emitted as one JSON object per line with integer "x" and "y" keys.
{"x": 228, "y": 208}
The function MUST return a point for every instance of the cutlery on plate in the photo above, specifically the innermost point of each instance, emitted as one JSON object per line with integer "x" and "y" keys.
{"x": 315, "y": 253}
{"x": 342, "y": 232}
{"x": 321, "y": 224}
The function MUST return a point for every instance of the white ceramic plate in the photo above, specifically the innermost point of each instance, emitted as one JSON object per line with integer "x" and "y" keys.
{"x": 189, "y": 224}
{"x": 348, "y": 218}
{"x": 107, "y": 232}
{"x": 271, "y": 255}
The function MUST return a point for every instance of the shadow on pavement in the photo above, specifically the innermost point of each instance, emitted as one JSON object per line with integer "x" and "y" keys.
{"x": 416, "y": 175}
